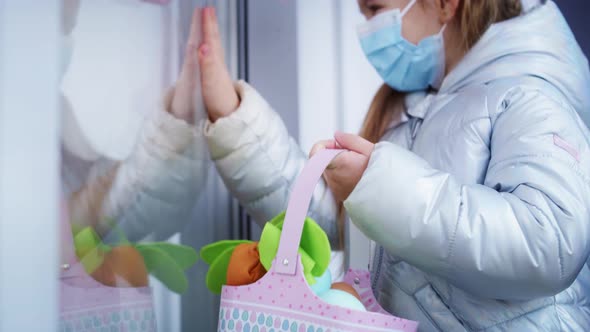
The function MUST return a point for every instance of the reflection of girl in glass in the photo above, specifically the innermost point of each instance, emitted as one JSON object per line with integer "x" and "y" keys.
{"x": 153, "y": 189}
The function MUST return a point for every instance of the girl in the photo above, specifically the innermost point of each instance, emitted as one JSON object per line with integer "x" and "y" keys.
{"x": 471, "y": 173}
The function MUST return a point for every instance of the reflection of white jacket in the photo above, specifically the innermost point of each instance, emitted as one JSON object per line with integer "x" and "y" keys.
{"x": 150, "y": 192}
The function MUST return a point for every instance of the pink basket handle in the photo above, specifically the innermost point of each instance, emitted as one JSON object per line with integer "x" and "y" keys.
{"x": 301, "y": 194}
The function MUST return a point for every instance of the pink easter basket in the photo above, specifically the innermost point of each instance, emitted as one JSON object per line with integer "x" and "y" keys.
{"x": 282, "y": 299}
{"x": 87, "y": 305}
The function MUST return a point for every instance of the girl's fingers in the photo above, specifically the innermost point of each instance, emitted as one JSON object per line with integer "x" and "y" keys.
{"x": 210, "y": 52}
{"x": 211, "y": 33}
{"x": 188, "y": 73}
{"x": 182, "y": 101}
{"x": 354, "y": 143}
{"x": 194, "y": 36}
{"x": 206, "y": 22}
{"x": 324, "y": 144}
{"x": 218, "y": 90}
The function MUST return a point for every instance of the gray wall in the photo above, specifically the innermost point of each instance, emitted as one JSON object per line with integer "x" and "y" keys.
{"x": 271, "y": 62}
{"x": 272, "y": 56}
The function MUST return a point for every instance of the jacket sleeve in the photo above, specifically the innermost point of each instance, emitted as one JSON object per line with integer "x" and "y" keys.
{"x": 259, "y": 162}
{"x": 523, "y": 234}
{"x": 154, "y": 191}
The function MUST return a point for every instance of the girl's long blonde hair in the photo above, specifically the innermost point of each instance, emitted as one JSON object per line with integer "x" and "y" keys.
{"x": 473, "y": 18}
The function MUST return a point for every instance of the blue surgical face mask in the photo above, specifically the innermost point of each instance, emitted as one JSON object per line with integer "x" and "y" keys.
{"x": 403, "y": 66}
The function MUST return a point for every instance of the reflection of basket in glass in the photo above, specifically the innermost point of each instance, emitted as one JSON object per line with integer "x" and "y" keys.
{"x": 282, "y": 300}
{"x": 87, "y": 305}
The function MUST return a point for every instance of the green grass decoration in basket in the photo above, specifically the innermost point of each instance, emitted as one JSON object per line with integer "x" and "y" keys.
{"x": 314, "y": 250}
{"x": 130, "y": 263}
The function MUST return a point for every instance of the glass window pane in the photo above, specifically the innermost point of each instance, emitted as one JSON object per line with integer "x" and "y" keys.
{"x": 134, "y": 162}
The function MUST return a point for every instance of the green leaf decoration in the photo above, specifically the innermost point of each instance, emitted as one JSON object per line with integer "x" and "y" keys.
{"x": 92, "y": 260}
{"x": 85, "y": 241}
{"x": 211, "y": 251}
{"x": 314, "y": 242}
{"x": 89, "y": 249}
{"x": 184, "y": 256}
{"x": 164, "y": 268}
{"x": 314, "y": 251}
{"x": 269, "y": 245}
{"x": 217, "y": 274}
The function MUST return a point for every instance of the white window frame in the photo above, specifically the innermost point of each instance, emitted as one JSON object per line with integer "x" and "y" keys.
{"x": 29, "y": 164}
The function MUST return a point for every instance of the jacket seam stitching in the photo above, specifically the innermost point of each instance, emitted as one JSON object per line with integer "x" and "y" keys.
{"x": 585, "y": 178}
{"x": 422, "y": 308}
{"x": 557, "y": 314}
{"x": 524, "y": 314}
{"x": 454, "y": 235}
{"x": 271, "y": 161}
{"x": 530, "y": 155}
{"x": 449, "y": 307}
{"x": 559, "y": 249}
{"x": 554, "y": 304}
{"x": 463, "y": 127}
{"x": 427, "y": 314}
{"x": 136, "y": 187}
{"x": 524, "y": 89}
{"x": 425, "y": 311}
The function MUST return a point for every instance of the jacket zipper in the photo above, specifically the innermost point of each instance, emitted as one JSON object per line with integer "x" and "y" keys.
{"x": 414, "y": 128}
{"x": 377, "y": 273}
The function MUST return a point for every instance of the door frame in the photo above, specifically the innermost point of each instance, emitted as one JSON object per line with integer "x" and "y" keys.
{"x": 29, "y": 164}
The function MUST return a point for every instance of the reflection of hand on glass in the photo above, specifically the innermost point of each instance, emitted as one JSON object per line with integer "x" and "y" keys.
{"x": 183, "y": 99}
{"x": 152, "y": 188}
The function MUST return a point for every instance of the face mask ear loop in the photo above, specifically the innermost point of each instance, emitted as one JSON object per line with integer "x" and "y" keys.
{"x": 440, "y": 77}
{"x": 442, "y": 30}
{"x": 408, "y": 7}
